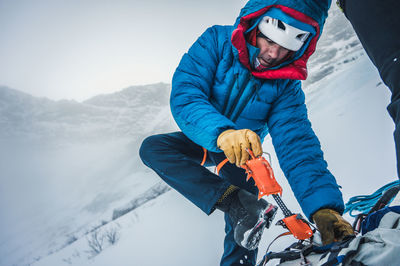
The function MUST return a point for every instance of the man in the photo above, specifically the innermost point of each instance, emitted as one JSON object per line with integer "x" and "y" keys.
{"x": 235, "y": 85}
{"x": 377, "y": 25}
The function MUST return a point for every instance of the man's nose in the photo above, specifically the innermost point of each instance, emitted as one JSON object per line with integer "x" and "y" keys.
{"x": 273, "y": 51}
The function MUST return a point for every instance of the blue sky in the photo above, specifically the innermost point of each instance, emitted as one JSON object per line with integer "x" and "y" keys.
{"x": 77, "y": 49}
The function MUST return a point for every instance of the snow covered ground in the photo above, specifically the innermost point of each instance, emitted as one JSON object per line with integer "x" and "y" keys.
{"x": 54, "y": 193}
{"x": 66, "y": 166}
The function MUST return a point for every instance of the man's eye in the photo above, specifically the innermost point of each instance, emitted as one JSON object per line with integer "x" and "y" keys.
{"x": 260, "y": 34}
{"x": 269, "y": 41}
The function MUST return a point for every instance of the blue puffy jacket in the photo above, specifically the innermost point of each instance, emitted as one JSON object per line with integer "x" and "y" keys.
{"x": 214, "y": 89}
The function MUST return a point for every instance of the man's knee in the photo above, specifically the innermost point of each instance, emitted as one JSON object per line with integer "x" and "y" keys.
{"x": 391, "y": 76}
{"x": 147, "y": 150}
{"x": 394, "y": 109}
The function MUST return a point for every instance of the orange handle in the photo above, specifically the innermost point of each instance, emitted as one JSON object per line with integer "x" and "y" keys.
{"x": 300, "y": 229}
{"x": 260, "y": 170}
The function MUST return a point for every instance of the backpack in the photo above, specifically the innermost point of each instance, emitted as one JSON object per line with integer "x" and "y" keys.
{"x": 378, "y": 241}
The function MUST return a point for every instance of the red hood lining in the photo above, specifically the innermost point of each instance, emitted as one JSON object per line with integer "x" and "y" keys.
{"x": 295, "y": 70}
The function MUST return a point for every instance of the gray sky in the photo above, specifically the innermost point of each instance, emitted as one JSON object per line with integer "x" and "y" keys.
{"x": 75, "y": 49}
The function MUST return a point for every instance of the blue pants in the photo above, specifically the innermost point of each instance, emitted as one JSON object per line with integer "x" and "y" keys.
{"x": 176, "y": 159}
{"x": 377, "y": 25}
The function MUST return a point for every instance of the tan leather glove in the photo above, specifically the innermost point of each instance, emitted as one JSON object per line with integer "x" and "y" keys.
{"x": 234, "y": 143}
{"x": 332, "y": 226}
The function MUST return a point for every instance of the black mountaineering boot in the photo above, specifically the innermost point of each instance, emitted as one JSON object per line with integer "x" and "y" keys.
{"x": 249, "y": 215}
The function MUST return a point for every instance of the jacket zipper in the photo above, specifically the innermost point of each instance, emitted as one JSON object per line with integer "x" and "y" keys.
{"x": 244, "y": 103}
{"x": 243, "y": 86}
{"x": 231, "y": 85}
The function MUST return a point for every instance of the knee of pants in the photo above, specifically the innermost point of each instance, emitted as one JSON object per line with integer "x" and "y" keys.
{"x": 147, "y": 149}
{"x": 392, "y": 80}
{"x": 394, "y": 111}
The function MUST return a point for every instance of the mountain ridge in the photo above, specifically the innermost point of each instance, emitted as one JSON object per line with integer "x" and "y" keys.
{"x": 120, "y": 114}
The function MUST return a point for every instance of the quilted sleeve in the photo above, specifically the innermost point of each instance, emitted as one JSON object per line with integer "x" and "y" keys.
{"x": 299, "y": 152}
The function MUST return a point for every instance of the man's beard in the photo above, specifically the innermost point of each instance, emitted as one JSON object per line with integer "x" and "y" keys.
{"x": 261, "y": 67}
{"x": 268, "y": 63}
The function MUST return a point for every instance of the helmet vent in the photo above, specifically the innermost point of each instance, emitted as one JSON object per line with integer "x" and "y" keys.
{"x": 302, "y": 37}
{"x": 281, "y": 25}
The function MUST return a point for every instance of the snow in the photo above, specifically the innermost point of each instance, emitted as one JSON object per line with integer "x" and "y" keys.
{"x": 144, "y": 246}
{"x": 66, "y": 166}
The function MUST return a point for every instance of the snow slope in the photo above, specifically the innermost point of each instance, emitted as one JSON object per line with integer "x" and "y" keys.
{"x": 66, "y": 166}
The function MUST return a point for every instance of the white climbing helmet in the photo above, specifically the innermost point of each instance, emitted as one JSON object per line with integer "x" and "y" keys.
{"x": 282, "y": 33}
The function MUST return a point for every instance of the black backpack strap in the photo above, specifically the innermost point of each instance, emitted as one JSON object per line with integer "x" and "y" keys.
{"x": 385, "y": 199}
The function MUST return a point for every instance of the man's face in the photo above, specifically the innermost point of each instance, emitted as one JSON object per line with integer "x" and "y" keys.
{"x": 271, "y": 54}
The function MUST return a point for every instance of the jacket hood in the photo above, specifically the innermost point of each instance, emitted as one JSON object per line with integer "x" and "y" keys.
{"x": 311, "y": 12}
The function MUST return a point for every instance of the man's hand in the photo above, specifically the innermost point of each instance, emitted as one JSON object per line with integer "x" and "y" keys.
{"x": 235, "y": 142}
{"x": 332, "y": 226}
